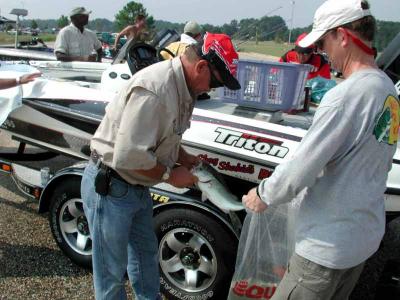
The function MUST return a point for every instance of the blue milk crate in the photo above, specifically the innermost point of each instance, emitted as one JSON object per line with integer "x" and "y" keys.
{"x": 268, "y": 85}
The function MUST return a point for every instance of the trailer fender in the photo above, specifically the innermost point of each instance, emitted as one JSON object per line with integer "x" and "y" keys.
{"x": 58, "y": 178}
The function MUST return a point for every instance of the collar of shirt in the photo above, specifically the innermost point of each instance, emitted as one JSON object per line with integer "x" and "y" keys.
{"x": 76, "y": 28}
{"x": 183, "y": 90}
{"x": 187, "y": 39}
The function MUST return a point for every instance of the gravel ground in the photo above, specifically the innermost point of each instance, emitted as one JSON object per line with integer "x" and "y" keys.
{"x": 31, "y": 264}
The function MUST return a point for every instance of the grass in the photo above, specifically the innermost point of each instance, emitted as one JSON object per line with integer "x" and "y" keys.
{"x": 269, "y": 47}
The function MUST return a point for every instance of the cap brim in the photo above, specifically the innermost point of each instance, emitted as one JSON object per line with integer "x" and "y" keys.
{"x": 311, "y": 38}
{"x": 228, "y": 80}
{"x": 86, "y": 12}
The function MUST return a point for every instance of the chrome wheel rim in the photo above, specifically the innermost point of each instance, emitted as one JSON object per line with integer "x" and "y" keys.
{"x": 188, "y": 260}
{"x": 74, "y": 226}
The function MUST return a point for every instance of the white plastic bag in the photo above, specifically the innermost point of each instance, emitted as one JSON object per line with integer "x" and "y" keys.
{"x": 265, "y": 247}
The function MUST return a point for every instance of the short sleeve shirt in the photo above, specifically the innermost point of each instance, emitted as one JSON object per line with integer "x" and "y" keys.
{"x": 143, "y": 126}
{"x": 72, "y": 42}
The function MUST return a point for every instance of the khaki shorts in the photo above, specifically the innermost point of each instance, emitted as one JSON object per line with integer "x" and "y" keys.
{"x": 306, "y": 280}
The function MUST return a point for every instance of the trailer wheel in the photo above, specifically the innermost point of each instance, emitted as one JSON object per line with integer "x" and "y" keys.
{"x": 196, "y": 255}
{"x": 68, "y": 222}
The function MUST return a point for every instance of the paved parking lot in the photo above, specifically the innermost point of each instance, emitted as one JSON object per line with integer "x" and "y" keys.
{"x": 32, "y": 266}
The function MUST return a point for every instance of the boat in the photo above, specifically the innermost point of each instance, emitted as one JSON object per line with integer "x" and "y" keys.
{"x": 243, "y": 143}
{"x": 35, "y": 49}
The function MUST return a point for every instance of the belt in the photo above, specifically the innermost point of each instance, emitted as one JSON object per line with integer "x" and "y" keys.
{"x": 95, "y": 157}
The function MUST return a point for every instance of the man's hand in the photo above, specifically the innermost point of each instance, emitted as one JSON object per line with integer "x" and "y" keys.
{"x": 92, "y": 57}
{"x": 29, "y": 77}
{"x": 253, "y": 202}
{"x": 187, "y": 160}
{"x": 181, "y": 177}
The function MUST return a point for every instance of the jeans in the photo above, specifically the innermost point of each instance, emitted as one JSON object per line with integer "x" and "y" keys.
{"x": 123, "y": 239}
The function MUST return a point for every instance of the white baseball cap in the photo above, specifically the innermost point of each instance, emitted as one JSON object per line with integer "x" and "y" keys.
{"x": 332, "y": 14}
{"x": 192, "y": 27}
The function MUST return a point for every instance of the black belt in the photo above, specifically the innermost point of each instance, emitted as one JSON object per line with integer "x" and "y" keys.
{"x": 94, "y": 157}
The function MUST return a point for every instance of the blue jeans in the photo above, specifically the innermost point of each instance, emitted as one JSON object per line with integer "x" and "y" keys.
{"x": 123, "y": 238}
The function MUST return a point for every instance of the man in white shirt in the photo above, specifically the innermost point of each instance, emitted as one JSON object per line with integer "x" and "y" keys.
{"x": 75, "y": 42}
{"x": 191, "y": 35}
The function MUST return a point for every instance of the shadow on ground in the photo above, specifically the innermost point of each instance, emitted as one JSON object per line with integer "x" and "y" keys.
{"x": 23, "y": 261}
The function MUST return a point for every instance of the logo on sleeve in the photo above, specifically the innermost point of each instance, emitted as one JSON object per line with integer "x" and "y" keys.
{"x": 387, "y": 126}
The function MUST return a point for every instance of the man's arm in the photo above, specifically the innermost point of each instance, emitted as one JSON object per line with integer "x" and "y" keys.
{"x": 124, "y": 31}
{"x": 12, "y": 82}
{"x": 63, "y": 57}
{"x": 179, "y": 177}
{"x": 321, "y": 143}
{"x": 318, "y": 147}
{"x": 187, "y": 160}
{"x": 99, "y": 54}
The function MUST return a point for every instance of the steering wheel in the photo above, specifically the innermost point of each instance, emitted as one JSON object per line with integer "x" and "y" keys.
{"x": 166, "y": 50}
{"x": 140, "y": 55}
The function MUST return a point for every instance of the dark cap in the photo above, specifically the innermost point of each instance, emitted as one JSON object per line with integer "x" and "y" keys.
{"x": 217, "y": 49}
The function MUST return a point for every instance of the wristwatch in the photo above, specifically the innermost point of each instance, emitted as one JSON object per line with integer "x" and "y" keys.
{"x": 166, "y": 174}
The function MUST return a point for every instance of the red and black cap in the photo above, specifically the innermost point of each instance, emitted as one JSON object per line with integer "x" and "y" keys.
{"x": 218, "y": 50}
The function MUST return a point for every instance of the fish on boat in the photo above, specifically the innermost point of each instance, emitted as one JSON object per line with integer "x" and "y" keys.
{"x": 213, "y": 188}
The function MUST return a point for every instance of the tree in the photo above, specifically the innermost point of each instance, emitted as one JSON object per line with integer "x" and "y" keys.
{"x": 34, "y": 24}
{"x": 126, "y": 16}
{"x": 62, "y": 22}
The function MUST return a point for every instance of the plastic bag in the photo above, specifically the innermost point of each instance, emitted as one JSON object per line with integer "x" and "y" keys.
{"x": 265, "y": 247}
{"x": 318, "y": 88}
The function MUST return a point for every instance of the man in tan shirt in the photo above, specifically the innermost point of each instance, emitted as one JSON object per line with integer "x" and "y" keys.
{"x": 136, "y": 146}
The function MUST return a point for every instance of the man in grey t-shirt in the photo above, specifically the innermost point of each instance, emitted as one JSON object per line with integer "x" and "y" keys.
{"x": 341, "y": 164}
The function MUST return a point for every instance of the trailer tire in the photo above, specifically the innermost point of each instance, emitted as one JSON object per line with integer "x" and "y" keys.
{"x": 68, "y": 222}
{"x": 203, "y": 252}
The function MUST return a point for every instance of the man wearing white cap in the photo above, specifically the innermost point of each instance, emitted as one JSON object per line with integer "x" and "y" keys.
{"x": 75, "y": 42}
{"x": 191, "y": 35}
{"x": 342, "y": 163}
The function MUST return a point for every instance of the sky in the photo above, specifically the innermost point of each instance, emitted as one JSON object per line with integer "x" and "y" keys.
{"x": 215, "y": 12}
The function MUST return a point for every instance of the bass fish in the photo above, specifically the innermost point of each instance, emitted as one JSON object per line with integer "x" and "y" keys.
{"x": 214, "y": 190}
